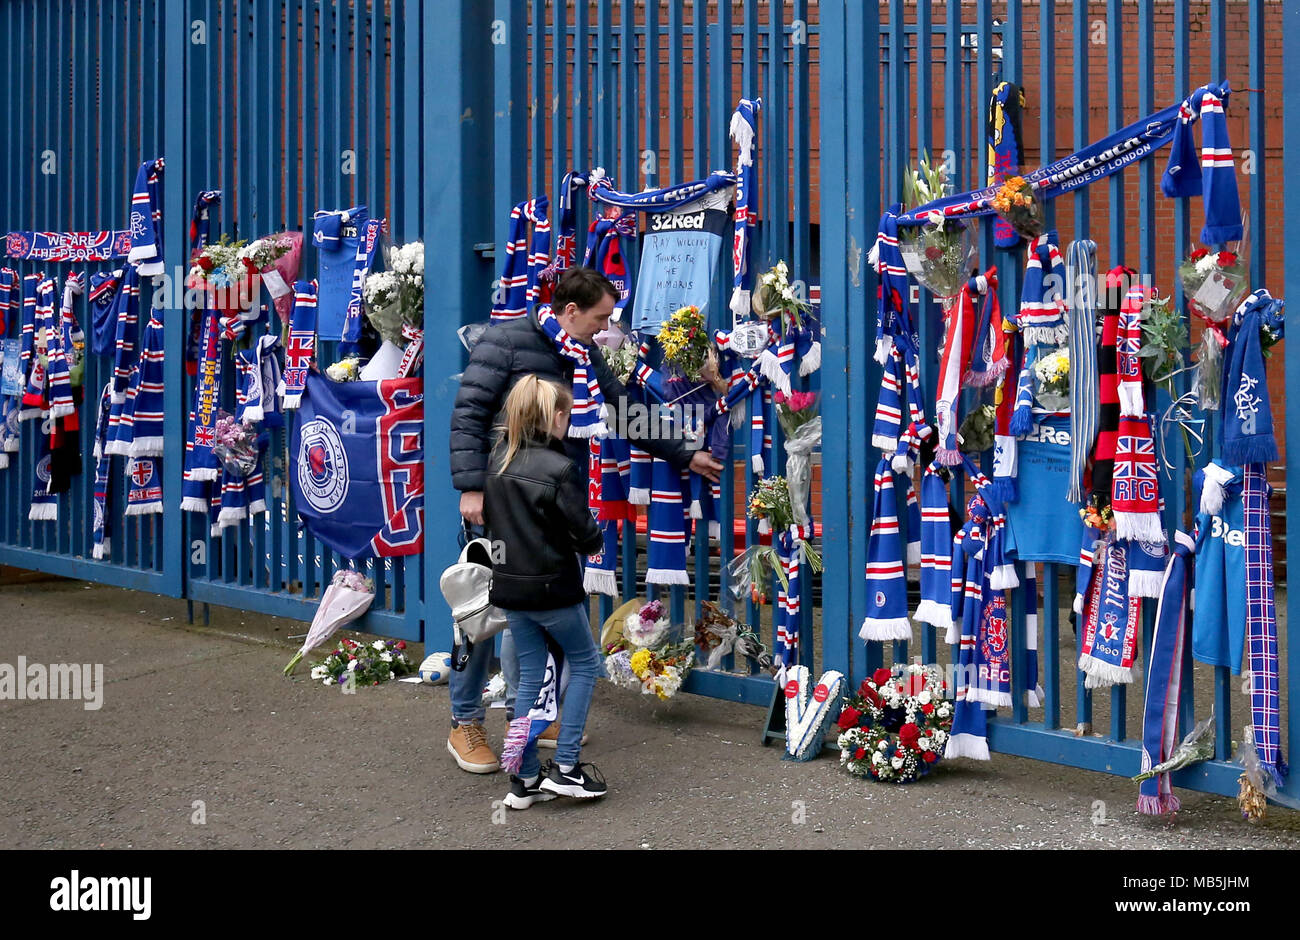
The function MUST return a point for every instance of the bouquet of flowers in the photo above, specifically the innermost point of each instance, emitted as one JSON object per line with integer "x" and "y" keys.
{"x": 686, "y": 342}
{"x": 228, "y": 265}
{"x": 395, "y": 298}
{"x": 721, "y": 635}
{"x": 1053, "y": 374}
{"x": 347, "y": 369}
{"x": 621, "y": 360}
{"x": 938, "y": 254}
{"x": 236, "y": 445}
{"x": 769, "y": 503}
{"x": 647, "y": 627}
{"x": 775, "y": 297}
{"x": 895, "y": 728}
{"x": 795, "y": 410}
{"x": 363, "y": 663}
{"x": 1164, "y": 337}
{"x": 1019, "y": 203}
{"x": 1214, "y": 282}
{"x": 348, "y": 596}
{"x": 645, "y": 657}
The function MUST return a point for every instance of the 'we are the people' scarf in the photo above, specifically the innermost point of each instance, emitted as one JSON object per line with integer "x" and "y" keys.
{"x": 589, "y": 410}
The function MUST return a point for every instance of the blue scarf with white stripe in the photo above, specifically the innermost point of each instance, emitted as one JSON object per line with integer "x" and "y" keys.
{"x": 520, "y": 285}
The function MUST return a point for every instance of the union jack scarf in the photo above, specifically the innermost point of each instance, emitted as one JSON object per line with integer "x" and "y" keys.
{"x": 1118, "y": 281}
{"x": 1111, "y": 618}
{"x": 520, "y": 282}
{"x": 146, "y": 220}
{"x": 100, "y": 541}
{"x": 145, "y": 497}
{"x": 666, "y": 557}
{"x": 1128, "y": 345}
{"x": 1217, "y": 180}
{"x": 589, "y": 410}
{"x": 742, "y": 131}
{"x": 886, "y": 570}
{"x": 1164, "y": 684}
{"x": 1135, "y": 484}
{"x": 301, "y": 350}
{"x": 1081, "y": 271}
{"x": 953, "y": 365}
{"x": 103, "y": 324}
{"x": 566, "y": 231}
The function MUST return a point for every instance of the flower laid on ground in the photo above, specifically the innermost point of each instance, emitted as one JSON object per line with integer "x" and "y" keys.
{"x": 938, "y": 254}
{"x": 719, "y": 634}
{"x": 345, "y": 370}
{"x": 648, "y": 627}
{"x": 794, "y": 410}
{"x": 775, "y": 297}
{"x": 1214, "y": 282}
{"x": 395, "y": 298}
{"x": 363, "y": 663}
{"x": 347, "y": 597}
{"x": 1018, "y": 203}
{"x": 235, "y": 444}
{"x": 895, "y": 728}
{"x": 685, "y": 340}
{"x": 646, "y": 657}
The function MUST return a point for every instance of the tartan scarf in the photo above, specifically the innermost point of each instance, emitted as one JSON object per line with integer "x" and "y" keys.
{"x": 103, "y": 324}
{"x": 1164, "y": 683}
{"x": 667, "y": 199}
{"x": 145, "y": 497}
{"x": 743, "y": 129}
{"x": 101, "y": 546}
{"x": 589, "y": 411}
{"x": 146, "y": 220}
{"x": 301, "y": 351}
{"x": 935, "y": 606}
{"x": 1248, "y": 435}
{"x": 1261, "y": 621}
{"x": 1217, "y": 180}
{"x": 1118, "y": 281}
{"x": 525, "y": 259}
{"x": 1111, "y": 618}
{"x": 987, "y": 355}
{"x": 666, "y": 557}
{"x": 600, "y": 574}
{"x": 886, "y": 569}
{"x": 953, "y": 365}
{"x": 1006, "y": 152}
{"x": 1135, "y": 489}
{"x": 146, "y": 411}
{"x": 1081, "y": 272}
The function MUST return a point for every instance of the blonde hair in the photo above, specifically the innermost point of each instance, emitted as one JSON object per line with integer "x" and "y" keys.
{"x": 530, "y": 408}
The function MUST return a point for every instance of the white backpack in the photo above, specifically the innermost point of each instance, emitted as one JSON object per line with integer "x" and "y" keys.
{"x": 465, "y": 586}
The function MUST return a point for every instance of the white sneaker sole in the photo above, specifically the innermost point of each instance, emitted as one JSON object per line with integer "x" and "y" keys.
{"x": 553, "y": 742}
{"x": 473, "y": 768}
{"x": 576, "y": 791}
{"x": 523, "y": 802}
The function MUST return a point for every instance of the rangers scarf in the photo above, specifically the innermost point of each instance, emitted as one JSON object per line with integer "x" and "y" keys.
{"x": 8, "y": 287}
{"x": 1118, "y": 282}
{"x": 1110, "y": 620}
{"x": 587, "y": 419}
{"x": 935, "y": 606}
{"x": 36, "y": 402}
{"x": 146, "y": 220}
{"x": 742, "y": 131}
{"x": 893, "y": 317}
{"x": 520, "y": 281}
{"x": 1128, "y": 346}
{"x": 1135, "y": 493}
{"x": 667, "y": 199}
{"x": 45, "y": 503}
{"x": 666, "y": 557}
{"x": 886, "y": 568}
{"x": 145, "y": 496}
{"x": 1248, "y": 435}
{"x": 987, "y": 353}
{"x": 68, "y": 246}
{"x": 100, "y": 542}
{"x": 146, "y": 408}
{"x": 789, "y": 552}
{"x": 953, "y": 365}
{"x": 200, "y": 462}
{"x": 1217, "y": 180}
{"x": 301, "y": 351}
{"x": 600, "y": 575}
{"x": 605, "y": 254}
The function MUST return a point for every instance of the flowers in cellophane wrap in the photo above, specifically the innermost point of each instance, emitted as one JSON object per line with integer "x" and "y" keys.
{"x": 795, "y": 410}
{"x": 938, "y": 254}
{"x": 720, "y": 635}
{"x": 621, "y": 359}
{"x": 1214, "y": 282}
{"x": 347, "y": 597}
{"x": 363, "y": 663}
{"x": 774, "y": 297}
{"x": 1053, "y": 374}
{"x": 395, "y": 298}
{"x": 227, "y": 263}
{"x": 895, "y": 728}
{"x": 685, "y": 340}
{"x": 646, "y": 656}
{"x": 347, "y": 369}
{"x": 1021, "y": 206}
{"x": 1164, "y": 337}
{"x": 771, "y": 505}
{"x": 235, "y": 444}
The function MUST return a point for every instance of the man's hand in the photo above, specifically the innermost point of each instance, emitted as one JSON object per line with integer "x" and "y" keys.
{"x": 701, "y": 463}
{"x": 471, "y": 506}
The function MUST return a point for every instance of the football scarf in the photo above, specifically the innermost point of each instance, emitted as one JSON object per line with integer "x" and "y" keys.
{"x": 808, "y": 344}
{"x": 260, "y": 369}
{"x": 760, "y": 441}
{"x": 200, "y": 462}
{"x": 605, "y": 254}
{"x": 987, "y": 354}
{"x": 969, "y": 736}
{"x": 1034, "y": 694}
{"x": 1261, "y": 621}
{"x": 776, "y": 361}
{"x": 1089, "y": 543}
{"x": 103, "y": 323}
{"x": 667, "y": 199}
{"x": 640, "y": 477}
{"x": 36, "y": 402}
{"x": 357, "y": 465}
{"x": 600, "y": 574}
{"x": 935, "y": 606}
{"x": 566, "y": 230}
{"x": 522, "y": 732}
{"x": 886, "y": 572}
{"x": 301, "y": 350}
{"x": 45, "y": 504}
{"x": 146, "y": 220}
{"x": 1081, "y": 272}
{"x": 587, "y": 419}
{"x": 1219, "y": 620}
{"x": 8, "y": 287}
{"x": 1165, "y": 680}
{"x": 1110, "y": 620}
{"x": 789, "y": 552}
{"x": 100, "y": 542}
{"x": 1041, "y": 317}
{"x": 125, "y": 314}
{"x": 1247, "y": 415}
{"x": 893, "y": 318}
{"x": 1118, "y": 281}
{"x": 1135, "y": 492}
{"x": 1128, "y": 344}
{"x": 525, "y": 259}
{"x": 1216, "y": 180}
{"x": 743, "y": 131}
{"x": 1005, "y": 149}
{"x": 953, "y": 364}
{"x": 666, "y": 557}
{"x": 145, "y": 496}
{"x": 28, "y": 330}
{"x": 1146, "y": 567}
{"x": 146, "y": 412}
{"x": 200, "y": 230}
{"x": 68, "y": 246}
{"x": 61, "y": 350}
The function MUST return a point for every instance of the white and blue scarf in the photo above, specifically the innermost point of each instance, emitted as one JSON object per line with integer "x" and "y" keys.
{"x": 886, "y": 568}
{"x": 589, "y": 409}
{"x": 520, "y": 284}
{"x": 1085, "y": 393}
{"x": 144, "y": 477}
{"x": 743, "y": 131}
{"x": 1247, "y": 415}
{"x": 146, "y": 425}
{"x": 301, "y": 351}
{"x": 100, "y": 542}
{"x": 666, "y": 556}
{"x": 935, "y": 606}
{"x": 1214, "y": 179}
{"x": 666, "y": 199}
{"x": 146, "y": 220}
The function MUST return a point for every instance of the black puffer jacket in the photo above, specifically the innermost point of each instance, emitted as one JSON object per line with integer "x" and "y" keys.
{"x": 504, "y": 355}
{"x": 537, "y": 510}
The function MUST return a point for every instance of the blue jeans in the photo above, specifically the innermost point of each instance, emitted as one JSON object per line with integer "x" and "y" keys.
{"x": 570, "y": 629}
{"x": 467, "y": 687}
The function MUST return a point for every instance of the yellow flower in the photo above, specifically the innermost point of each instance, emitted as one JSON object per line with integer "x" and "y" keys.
{"x": 640, "y": 664}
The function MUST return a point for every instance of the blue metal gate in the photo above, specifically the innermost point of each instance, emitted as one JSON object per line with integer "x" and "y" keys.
{"x": 442, "y": 114}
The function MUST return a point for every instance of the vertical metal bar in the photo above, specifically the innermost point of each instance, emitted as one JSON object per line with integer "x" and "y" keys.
{"x": 1051, "y": 656}
{"x": 699, "y": 90}
{"x": 1258, "y": 145}
{"x": 897, "y": 156}
{"x": 606, "y": 155}
{"x": 626, "y": 118}
{"x": 581, "y": 117}
{"x": 510, "y": 122}
{"x": 561, "y": 160}
{"x": 536, "y": 101}
{"x": 983, "y": 90}
{"x": 1047, "y": 94}
{"x": 676, "y": 104}
{"x": 952, "y": 98}
{"x": 1114, "y": 121}
{"x": 651, "y": 57}
{"x": 1290, "y": 85}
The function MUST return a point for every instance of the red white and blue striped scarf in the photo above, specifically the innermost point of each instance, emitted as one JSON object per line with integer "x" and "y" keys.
{"x": 524, "y": 261}
{"x": 589, "y": 410}
{"x": 1216, "y": 180}
{"x": 743, "y": 131}
{"x": 146, "y": 220}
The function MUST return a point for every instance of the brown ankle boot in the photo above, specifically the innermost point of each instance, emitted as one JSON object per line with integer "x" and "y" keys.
{"x": 468, "y": 744}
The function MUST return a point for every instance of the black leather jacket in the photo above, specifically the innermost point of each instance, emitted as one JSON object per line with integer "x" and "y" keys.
{"x": 537, "y": 509}
{"x": 505, "y": 354}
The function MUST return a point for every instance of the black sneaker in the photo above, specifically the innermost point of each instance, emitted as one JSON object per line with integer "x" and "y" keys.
{"x": 522, "y": 796}
{"x": 579, "y": 783}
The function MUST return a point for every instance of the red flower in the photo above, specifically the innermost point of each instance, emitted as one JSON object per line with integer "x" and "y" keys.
{"x": 352, "y": 655}
{"x": 908, "y": 735}
{"x": 860, "y": 753}
{"x": 1227, "y": 259}
{"x": 881, "y": 676}
{"x": 928, "y": 709}
{"x": 898, "y": 753}
{"x": 206, "y": 263}
{"x": 779, "y": 397}
{"x": 849, "y": 717}
{"x": 930, "y": 757}
{"x": 1198, "y": 254}
{"x": 871, "y": 695}
{"x": 934, "y": 252}
{"x": 400, "y": 644}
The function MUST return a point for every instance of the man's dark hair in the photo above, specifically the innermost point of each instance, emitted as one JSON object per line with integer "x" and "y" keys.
{"x": 582, "y": 286}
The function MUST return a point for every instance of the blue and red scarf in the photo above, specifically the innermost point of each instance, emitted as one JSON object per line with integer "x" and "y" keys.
{"x": 525, "y": 259}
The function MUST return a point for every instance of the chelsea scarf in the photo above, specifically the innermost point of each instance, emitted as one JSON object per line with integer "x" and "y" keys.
{"x": 742, "y": 131}
{"x": 1081, "y": 271}
{"x": 1111, "y": 619}
{"x": 524, "y": 259}
{"x": 1216, "y": 180}
{"x": 301, "y": 350}
{"x": 589, "y": 411}
{"x": 1165, "y": 679}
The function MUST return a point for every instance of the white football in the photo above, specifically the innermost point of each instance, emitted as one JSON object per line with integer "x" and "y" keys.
{"x": 436, "y": 668}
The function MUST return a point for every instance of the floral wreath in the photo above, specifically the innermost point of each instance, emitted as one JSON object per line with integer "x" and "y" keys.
{"x": 895, "y": 728}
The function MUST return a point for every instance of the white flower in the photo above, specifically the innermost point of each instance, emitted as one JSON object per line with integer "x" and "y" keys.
{"x": 923, "y": 743}
{"x": 377, "y": 645}
{"x": 352, "y": 666}
{"x": 939, "y": 737}
{"x": 327, "y": 681}
{"x": 896, "y": 763}
{"x": 924, "y": 697}
{"x": 319, "y": 672}
{"x": 386, "y": 657}
{"x": 1208, "y": 263}
{"x": 877, "y": 757}
{"x": 882, "y": 745}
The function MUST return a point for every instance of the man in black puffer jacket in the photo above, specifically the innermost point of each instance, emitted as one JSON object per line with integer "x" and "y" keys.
{"x": 583, "y": 302}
